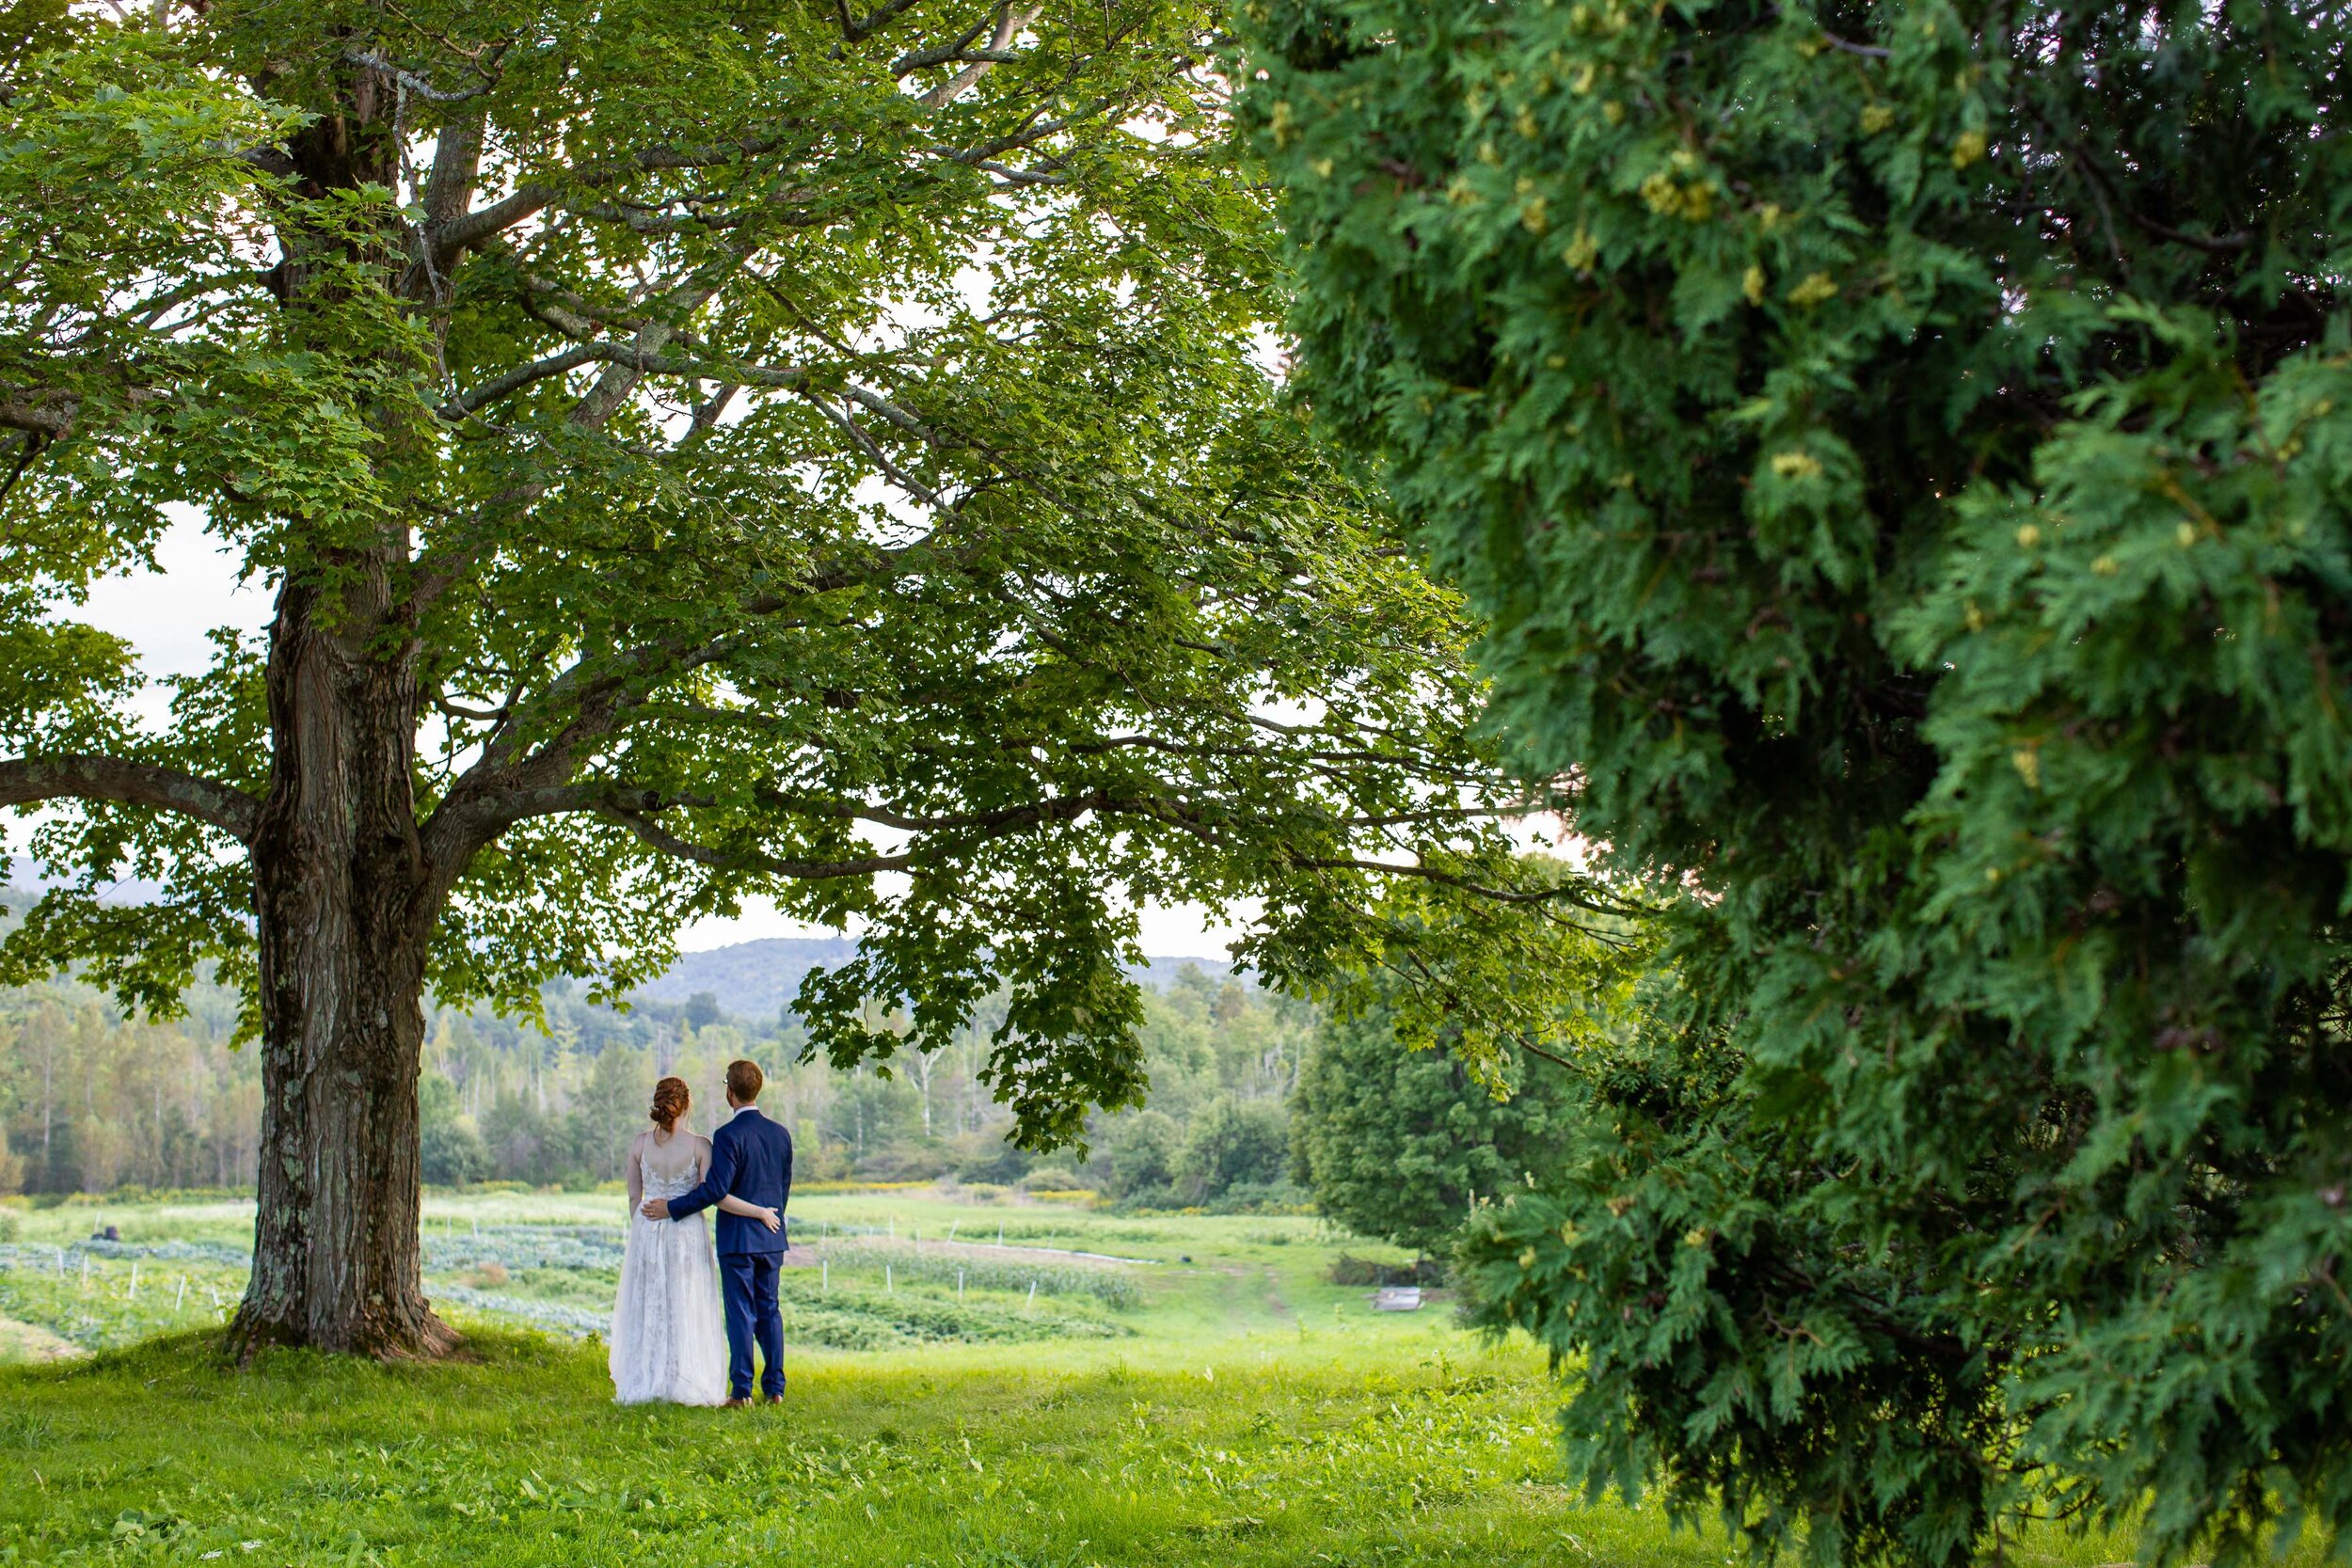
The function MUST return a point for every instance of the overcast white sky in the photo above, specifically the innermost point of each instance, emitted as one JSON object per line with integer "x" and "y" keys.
{"x": 166, "y": 614}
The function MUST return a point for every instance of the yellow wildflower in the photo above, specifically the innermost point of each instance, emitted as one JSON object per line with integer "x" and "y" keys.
{"x": 1816, "y": 288}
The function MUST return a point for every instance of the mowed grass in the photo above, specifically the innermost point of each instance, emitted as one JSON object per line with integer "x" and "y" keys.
{"x": 158, "y": 1453}
{"x": 1249, "y": 1413}
{"x": 1246, "y": 1411}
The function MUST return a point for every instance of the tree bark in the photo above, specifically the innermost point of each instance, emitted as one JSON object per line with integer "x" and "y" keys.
{"x": 344, "y": 907}
{"x": 343, "y": 900}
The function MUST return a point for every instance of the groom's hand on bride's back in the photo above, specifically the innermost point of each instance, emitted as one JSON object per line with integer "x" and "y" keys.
{"x": 656, "y": 1208}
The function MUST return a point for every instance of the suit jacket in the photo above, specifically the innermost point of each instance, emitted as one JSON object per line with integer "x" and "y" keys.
{"x": 751, "y": 1157}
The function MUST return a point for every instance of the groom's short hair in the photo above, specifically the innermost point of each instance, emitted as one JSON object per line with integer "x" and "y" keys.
{"x": 744, "y": 1081}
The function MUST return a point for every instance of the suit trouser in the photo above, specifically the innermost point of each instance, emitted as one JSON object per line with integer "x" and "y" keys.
{"x": 749, "y": 1280}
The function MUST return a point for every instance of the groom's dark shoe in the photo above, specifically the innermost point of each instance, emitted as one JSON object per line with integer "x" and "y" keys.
{"x": 773, "y": 1399}
{"x": 734, "y": 1404}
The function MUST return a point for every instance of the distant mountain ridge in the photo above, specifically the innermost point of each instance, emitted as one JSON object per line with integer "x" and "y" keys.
{"x": 758, "y": 980}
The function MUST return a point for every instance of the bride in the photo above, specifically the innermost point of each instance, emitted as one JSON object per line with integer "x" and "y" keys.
{"x": 667, "y": 1342}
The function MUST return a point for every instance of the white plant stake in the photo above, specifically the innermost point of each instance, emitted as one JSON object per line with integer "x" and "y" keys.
{"x": 134, "y": 1294}
{"x": 181, "y": 1295}
{"x": 958, "y": 1283}
{"x": 824, "y": 1273}
{"x": 1033, "y": 1297}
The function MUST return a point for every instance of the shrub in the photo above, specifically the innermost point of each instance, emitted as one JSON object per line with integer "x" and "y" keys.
{"x": 1231, "y": 1142}
{"x": 987, "y": 1157}
{"x": 1141, "y": 1153}
{"x": 1261, "y": 1198}
{"x": 900, "y": 1163}
{"x": 1154, "y": 1199}
{"x": 816, "y": 1159}
{"x": 1348, "y": 1269}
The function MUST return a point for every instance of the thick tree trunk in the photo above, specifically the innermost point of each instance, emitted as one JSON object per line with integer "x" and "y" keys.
{"x": 343, "y": 899}
{"x": 344, "y": 911}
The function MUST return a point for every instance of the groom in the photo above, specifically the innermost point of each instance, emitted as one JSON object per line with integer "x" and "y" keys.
{"x": 750, "y": 1158}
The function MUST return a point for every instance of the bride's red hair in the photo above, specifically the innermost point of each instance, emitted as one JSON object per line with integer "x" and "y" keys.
{"x": 670, "y": 1101}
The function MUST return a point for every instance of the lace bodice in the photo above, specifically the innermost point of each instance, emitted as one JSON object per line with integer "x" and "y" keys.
{"x": 672, "y": 1169}
{"x": 658, "y": 1184}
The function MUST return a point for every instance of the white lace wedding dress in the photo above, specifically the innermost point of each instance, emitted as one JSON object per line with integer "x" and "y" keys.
{"x": 669, "y": 1343}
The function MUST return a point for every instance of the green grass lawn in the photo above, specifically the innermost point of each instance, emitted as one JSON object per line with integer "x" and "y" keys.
{"x": 1221, "y": 1402}
{"x": 1344, "y": 1455}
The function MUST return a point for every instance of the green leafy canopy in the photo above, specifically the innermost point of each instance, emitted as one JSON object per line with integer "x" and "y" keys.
{"x": 740, "y": 449}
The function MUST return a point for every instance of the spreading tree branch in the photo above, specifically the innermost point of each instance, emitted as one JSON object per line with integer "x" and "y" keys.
{"x": 24, "y": 780}
{"x": 659, "y": 838}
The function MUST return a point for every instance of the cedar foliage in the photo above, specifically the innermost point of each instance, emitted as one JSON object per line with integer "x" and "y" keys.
{"x": 1902, "y": 451}
{"x": 1398, "y": 1144}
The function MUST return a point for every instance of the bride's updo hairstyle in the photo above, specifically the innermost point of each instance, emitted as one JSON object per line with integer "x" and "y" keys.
{"x": 670, "y": 1101}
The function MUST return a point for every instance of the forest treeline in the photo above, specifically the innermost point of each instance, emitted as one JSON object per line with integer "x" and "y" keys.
{"x": 92, "y": 1101}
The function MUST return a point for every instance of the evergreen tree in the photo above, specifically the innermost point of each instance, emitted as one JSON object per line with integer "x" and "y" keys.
{"x": 1398, "y": 1144}
{"x": 449, "y": 1150}
{"x": 1904, "y": 454}
{"x": 611, "y": 1110}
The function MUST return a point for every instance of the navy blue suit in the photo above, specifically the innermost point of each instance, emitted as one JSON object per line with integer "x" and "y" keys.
{"x": 750, "y": 1158}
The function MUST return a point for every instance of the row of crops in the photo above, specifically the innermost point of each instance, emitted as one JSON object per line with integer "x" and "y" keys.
{"x": 865, "y": 1291}
{"x": 99, "y": 1295}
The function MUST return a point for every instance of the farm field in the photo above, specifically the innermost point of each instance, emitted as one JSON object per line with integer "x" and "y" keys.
{"x": 876, "y": 1272}
{"x": 1218, "y": 1400}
